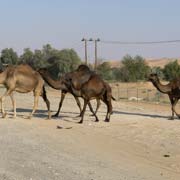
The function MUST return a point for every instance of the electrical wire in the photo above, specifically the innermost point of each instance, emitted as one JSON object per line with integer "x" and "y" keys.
{"x": 140, "y": 42}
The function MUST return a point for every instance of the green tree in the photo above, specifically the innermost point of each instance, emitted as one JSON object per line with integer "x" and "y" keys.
{"x": 39, "y": 60}
{"x": 117, "y": 74}
{"x": 171, "y": 70}
{"x": 105, "y": 71}
{"x": 9, "y": 56}
{"x": 27, "y": 57}
{"x": 141, "y": 68}
{"x": 133, "y": 69}
{"x": 63, "y": 61}
{"x": 158, "y": 70}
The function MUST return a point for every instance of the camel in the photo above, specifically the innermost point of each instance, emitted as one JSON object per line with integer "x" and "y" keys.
{"x": 23, "y": 79}
{"x": 89, "y": 86}
{"x": 58, "y": 85}
{"x": 172, "y": 89}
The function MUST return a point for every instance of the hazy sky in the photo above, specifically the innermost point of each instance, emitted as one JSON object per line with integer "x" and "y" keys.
{"x": 63, "y": 23}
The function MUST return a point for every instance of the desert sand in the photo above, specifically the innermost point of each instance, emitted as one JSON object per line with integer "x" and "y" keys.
{"x": 139, "y": 143}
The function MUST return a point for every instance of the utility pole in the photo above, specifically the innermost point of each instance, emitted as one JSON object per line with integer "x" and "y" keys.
{"x": 85, "y": 49}
{"x": 96, "y": 63}
{"x": 95, "y": 50}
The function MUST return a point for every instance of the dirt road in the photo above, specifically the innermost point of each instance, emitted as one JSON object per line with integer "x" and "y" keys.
{"x": 138, "y": 144}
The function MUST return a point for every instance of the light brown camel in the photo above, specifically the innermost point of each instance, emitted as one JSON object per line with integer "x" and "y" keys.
{"x": 89, "y": 86}
{"x": 23, "y": 79}
{"x": 172, "y": 89}
{"x": 57, "y": 84}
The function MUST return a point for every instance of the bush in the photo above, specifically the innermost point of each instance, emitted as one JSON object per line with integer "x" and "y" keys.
{"x": 171, "y": 70}
{"x": 133, "y": 69}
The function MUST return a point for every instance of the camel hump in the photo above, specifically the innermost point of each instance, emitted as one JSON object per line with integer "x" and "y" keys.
{"x": 83, "y": 68}
{"x": 81, "y": 76}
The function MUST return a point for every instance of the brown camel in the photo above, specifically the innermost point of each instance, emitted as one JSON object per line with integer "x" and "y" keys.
{"x": 57, "y": 84}
{"x": 89, "y": 86}
{"x": 23, "y": 79}
{"x": 172, "y": 89}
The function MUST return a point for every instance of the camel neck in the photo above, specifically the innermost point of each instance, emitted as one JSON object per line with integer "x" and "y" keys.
{"x": 162, "y": 88}
{"x": 51, "y": 82}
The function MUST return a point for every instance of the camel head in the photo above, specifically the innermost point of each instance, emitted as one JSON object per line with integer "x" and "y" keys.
{"x": 153, "y": 77}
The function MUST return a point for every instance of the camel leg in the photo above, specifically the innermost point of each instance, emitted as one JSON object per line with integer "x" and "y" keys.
{"x": 91, "y": 109}
{"x": 94, "y": 114}
{"x": 83, "y": 111}
{"x": 60, "y": 104}
{"x": 2, "y": 99}
{"x": 14, "y": 104}
{"x": 36, "y": 99}
{"x": 44, "y": 96}
{"x": 109, "y": 108}
{"x": 173, "y": 107}
{"x": 98, "y": 105}
{"x": 109, "y": 111}
{"x": 78, "y": 103}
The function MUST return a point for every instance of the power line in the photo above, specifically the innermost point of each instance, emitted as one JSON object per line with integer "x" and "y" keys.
{"x": 140, "y": 42}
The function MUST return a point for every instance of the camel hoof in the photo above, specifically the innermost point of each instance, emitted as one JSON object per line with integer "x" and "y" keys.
{"x": 48, "y": 118}
{"x": 80, "y": 122}
{"x": 97, "y": 120}
{"x": 55, "y": 115}
{"x": 106, "y": 120}
{"x": 29, "y": 117}
{"x": 171, "y": 118}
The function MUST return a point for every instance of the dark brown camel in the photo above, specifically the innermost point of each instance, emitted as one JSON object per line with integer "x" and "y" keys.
{"x": 23, "y": 79}
{"x": 172, "y": 89}
{"x": 57, "y": 84}
{"x": 89, "y": 86}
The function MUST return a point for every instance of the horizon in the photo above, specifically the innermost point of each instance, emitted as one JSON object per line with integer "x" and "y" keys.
{"x": 32, "y": 24}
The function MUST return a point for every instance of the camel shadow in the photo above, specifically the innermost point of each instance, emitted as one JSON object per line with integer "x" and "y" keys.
{"x": 141, "y": 114}
{"x": 38, "y": 114}
{"x": 43, "y": 113}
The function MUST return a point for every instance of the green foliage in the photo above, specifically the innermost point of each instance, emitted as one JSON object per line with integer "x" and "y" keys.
{"x": 133, "y": 69}
{"x": 57, "y": 61}
{"x": 63, "y": 61}
{"x": 9, "y": 56}
{"x": 105, "y": 71}
{"x": 27, "y": 57}
{"x": 158, "y": 70}
{"x": 171, "y": 70}
{"x": 117, "y": 74}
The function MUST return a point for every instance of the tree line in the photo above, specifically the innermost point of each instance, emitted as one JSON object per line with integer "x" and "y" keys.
{"x": 133, "y": 69}
{"x": 58, "y": 62}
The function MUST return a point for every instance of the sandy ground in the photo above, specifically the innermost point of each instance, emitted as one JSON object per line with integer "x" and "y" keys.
{"x": 139, "y": 143}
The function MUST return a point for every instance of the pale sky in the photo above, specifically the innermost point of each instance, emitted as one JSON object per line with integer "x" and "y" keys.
{"x": 63, "y": 23}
